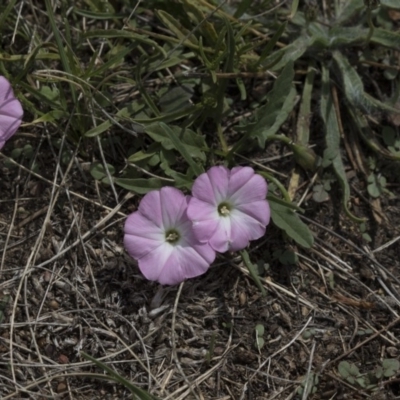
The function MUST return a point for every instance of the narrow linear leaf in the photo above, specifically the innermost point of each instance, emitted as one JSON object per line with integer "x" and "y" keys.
{"x": 271, "y": 44}
{"x": 332, "y": 133}
{"x": 6, "y": 12}
{"x": 176, "y": 27}
{"x": 63, "y": 56}
{"x": 252, "y": 271}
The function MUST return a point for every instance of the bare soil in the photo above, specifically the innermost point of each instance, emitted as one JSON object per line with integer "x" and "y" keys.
{"x": 67, "y": 285}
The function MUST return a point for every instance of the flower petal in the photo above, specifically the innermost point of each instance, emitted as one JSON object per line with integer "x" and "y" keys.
{"x": 204, "y": 217}
{"x": 11, "y": 111}
{"x": 153, "y": 264}
{"x": 173, "y": 264}
{"x": 246, "y": 187}
{"x": 212, "y": 186}
{"x": 164, "y": 207}
{"x": 243, "y": 229}
{"x": 145, "y": 239}
{"x": 221, "y": 238}
{"x": 141, "y": 235}
{"x": 241, "y": 188}
{"x": 258, "y": 210}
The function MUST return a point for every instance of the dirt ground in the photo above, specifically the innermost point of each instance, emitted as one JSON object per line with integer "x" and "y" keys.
{"x": 67, "y": 285}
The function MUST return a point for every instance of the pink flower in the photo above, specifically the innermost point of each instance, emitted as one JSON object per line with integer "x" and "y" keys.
{"x": 160, "y": 236}
{"x": 228, "y": 207}
{"x": 10, "y": 111}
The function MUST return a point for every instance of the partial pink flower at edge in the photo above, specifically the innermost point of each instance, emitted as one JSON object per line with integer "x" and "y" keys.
{"x": 160, "y": 237}
{"x": 11, "y": 111}
{"x": 228, "y": 208}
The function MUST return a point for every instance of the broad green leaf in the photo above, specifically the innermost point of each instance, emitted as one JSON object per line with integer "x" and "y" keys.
{"x": 390, "y": 367}
{"x": 347, "y": 10}
{"x": 354, "y": 87}
{"x": 271, "y": 116}
{"x": 290, "y": 53}
{"x": 285, "y": 219}
{"x": 99, "y": 129}
{"x": 181, "y": 180}
{"x": 186, "y": 142}
{"x": 395, "y": 4}
{"x": 342, "y": 35}
{"x": 260, "y": 330}
{"x": 386, "y": 38}
{"x": 242, "y": 8}
{"x": 347, "y": 370}
{"x": 98, "y": 171}
{"x": 139, "y": 185}
{"x": 140, "y": 156}
{"x": 176, "y": 99}
{"x": 123, "y": 113}
{"x": 352, "y": 83}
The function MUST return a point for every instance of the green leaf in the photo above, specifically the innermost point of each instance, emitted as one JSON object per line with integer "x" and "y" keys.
{"x": 65, "y": 60}
{"x": 285, "y": 219}
{"x": 271, "y": 116}
{"x": 389, "y": 135}
{"x": 97, "y": 15}
{"x": 391, "y": 4}
{"x": 390, "y": 367}
{"x": 376, "y": 185}
{"x": 51, "y": 116}
{"x": 348, "y": 10}
{"x": 260, "y": 330}
{"x": 99, "y": 129}
{"x": 186, "y": 142}
{"x": 332, "y": 134}
{"x": 290, "y": 53}
{"x": 347, "y": 370}
{"x": 259, "y": 342}
{"x": 176, "y": 99}
{"x": 271, "y": 44}
{"x": 253, "y": 271}
{"x": 386, "y": 38}
{"x": 176, "y": 27}
{"x": 354, "y": 87}
{"x": 242, "y": 8}
{"x": 139, "y": 185}
{"x": 288, "y": 257}
{"x": 98, "y": 171}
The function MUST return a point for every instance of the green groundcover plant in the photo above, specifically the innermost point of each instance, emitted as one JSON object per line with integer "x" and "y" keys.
{"x": 165, "y": 107}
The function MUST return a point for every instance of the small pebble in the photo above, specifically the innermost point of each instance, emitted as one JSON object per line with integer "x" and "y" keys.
{"x": 61, "y": 387}
{"x": 54, "y": 305}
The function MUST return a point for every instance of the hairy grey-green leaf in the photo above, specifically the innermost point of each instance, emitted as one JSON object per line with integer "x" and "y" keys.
{"x": 285, "y": 219}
